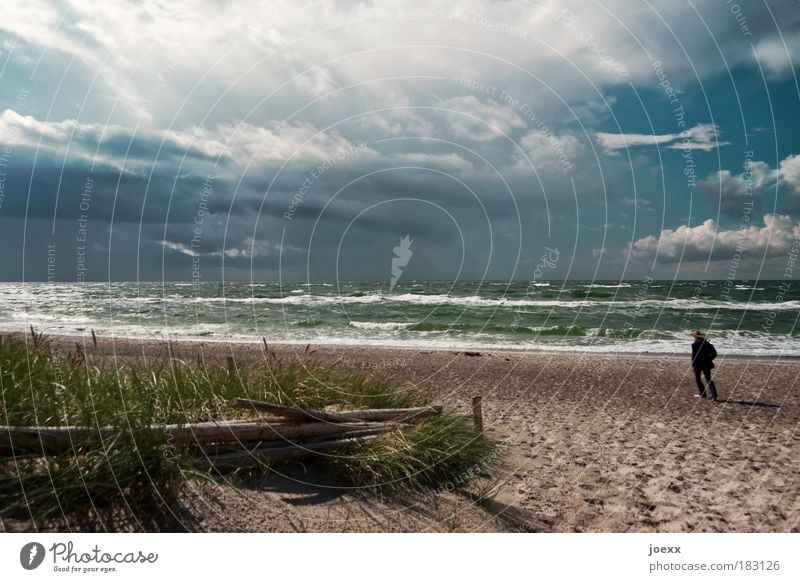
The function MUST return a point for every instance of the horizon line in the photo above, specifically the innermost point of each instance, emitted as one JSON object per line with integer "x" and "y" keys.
{"x": 318, "y": 281}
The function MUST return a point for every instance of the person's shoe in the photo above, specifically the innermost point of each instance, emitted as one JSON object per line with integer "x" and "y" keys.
{"x": 699, "y": 395}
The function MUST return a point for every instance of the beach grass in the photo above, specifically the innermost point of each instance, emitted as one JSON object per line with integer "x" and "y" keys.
{"x": 443, "y": 453}
{"x": 133, "y": 480}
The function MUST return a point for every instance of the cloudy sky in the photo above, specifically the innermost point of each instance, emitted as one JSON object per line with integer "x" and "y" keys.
{"x": 285, "y": 140}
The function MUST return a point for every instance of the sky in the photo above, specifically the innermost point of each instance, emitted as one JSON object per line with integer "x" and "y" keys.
{"x": 293, "y": 141}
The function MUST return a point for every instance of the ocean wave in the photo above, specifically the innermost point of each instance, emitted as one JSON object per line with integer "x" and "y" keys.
{"x": 576, "y": 299}
{"x": 554, "y": 338}
{"x": 632, "y": 333}
{"x": 386, "y": 325}
{"x": 559, "y": 330}
{"x": 312, "y": 322}
{"x": 467, "y": 328}
{"x": 594, "y": 294}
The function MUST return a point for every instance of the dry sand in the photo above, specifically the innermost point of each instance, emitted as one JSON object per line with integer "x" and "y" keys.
{"x": 595, "y": 443}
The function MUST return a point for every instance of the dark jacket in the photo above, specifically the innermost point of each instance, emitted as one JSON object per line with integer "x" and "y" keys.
{"x": 703, "y": 354}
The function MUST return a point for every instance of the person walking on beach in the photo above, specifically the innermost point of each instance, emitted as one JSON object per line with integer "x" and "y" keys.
{"x": 703, "y": 354}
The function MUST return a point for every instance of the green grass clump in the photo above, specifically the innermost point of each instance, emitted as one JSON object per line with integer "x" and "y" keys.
{"x": 133, "y": 480}
{"x": 129, "y": 481}
{"x": 442, "y": 452}
{"x": 125, "y": 483}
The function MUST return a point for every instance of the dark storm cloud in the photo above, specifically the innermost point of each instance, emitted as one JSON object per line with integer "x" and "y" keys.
{"x": 124, "y": 196}
{"x": 758, "y": 187}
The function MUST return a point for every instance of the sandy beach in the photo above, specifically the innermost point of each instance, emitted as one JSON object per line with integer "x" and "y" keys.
{"x": 593, "y": 443}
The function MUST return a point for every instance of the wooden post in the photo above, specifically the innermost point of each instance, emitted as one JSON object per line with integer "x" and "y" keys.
{"x": 477, "y": 413}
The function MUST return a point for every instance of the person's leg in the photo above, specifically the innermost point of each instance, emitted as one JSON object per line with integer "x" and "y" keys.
{"x": 710, "y": 383}
{"x": 700, "y": 387}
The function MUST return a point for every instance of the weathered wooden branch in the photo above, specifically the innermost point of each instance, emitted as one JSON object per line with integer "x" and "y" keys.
{"x": 53, "y": 440}
{"x": 212, "y": 432}
{"x": 265, "y": 454}
{"x": 295, "y": 433}
{"x": 367, "y": 430}
{"x": 291, "y": 412}
{"x": 370, "y": 415}
{"x": 19, "y": 440}
{"x": 391, "y": 414}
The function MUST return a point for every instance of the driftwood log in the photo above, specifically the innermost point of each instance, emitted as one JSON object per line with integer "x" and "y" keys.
{"x": 371, "y": 415}
{"x": 60, "y": 439}
{"x": 219, "y": 448}
{"x": 262, "y": 454}
{"x": 289, "y": 433}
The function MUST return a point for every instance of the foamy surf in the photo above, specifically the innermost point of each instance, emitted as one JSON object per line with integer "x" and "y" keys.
{"x": 749, "y": 318}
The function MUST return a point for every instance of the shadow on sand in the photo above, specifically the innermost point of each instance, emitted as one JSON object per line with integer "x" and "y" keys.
{"x": 297, "y": 486}
{"x": 751, "y": 403}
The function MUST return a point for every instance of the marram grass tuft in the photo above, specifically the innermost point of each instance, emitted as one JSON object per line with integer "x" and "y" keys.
{"x": 133, "y": 480}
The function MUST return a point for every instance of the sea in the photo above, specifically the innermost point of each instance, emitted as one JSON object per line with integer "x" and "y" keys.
{"x": 747, "y": 318}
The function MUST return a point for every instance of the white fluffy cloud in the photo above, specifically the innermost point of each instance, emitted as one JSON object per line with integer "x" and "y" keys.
{"x": 776, "y": 54}
{"x": 790, "y": 173}
{"x": 708, "y": 242}
{"x": 704, "y": 137}
{"x": 272, "y": 141}
{"x": 400, "y": 122}
{"x": 474, "y": 119}
{"x": 445, "y": 162}
{"x": 550, "y": 152}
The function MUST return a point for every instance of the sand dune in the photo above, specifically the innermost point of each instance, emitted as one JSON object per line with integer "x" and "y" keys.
{"x": 595, "y": 443}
